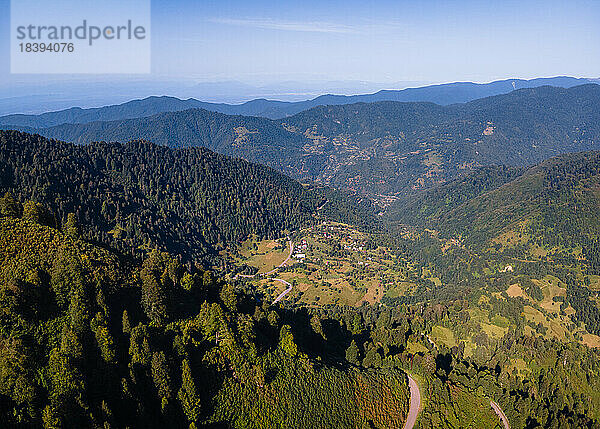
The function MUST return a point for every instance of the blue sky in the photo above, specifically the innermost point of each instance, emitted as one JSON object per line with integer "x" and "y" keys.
{"x": 383, "y": 41}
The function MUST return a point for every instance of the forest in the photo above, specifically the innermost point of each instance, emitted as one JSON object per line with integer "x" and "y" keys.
{"x": 137, "y": 196}
{"x": 117, "y": 309}
{"x": 91, "y": 341}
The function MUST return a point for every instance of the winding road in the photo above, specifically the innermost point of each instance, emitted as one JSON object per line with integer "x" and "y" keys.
{"x": 500, "y": 413}
{"x": 285, "y": 292}
{"x": 415, "y": 403}
{"x": 288, "y": 284}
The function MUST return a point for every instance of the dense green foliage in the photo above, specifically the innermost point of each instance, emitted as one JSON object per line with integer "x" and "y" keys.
{"x": 421, "y": 208}
{"x": 557, "y": 200}
{"x": 188, "y": 202}
{"x": 496, "y": 275}
{"x": 90, "y": 342}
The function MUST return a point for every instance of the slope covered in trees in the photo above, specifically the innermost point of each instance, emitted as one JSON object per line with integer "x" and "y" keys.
{"x": 137, "y": 196}
{"x": 555, "y": 203}
{"x": 90, "y": 342}
{"x": 384, "y": 148}
{"x": 254, "y": 139}
{"x": 420, "y": 209}
{"x": 140, "y": 195}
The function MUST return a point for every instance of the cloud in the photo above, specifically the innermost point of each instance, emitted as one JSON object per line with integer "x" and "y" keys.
{"x": 307, "y": 27}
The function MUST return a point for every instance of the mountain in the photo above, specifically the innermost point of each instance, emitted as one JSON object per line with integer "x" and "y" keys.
{"x": 139, "y": 195}
{"x": 424, "y": 208}
{"x": 383, "y": 149}
{"x": 444, "y": 94}
{"x": 91, "y": 339}
{"x": 191, "y": 201}
{"x": 553, "y": 204}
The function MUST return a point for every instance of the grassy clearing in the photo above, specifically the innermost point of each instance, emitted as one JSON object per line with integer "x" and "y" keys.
{"x": 555, "y": 329}
{"x": 515, "y": 291}
{"x": 591, "y": 340}
{"x": 264, "y": 255}
{"x": 441, "y": 334}
{"x": 412, "y": 347}
{"x": 551, "y": 287}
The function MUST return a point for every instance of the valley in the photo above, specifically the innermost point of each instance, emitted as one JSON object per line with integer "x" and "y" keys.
{"x": 299, "y": 214}
{"x": 213, "y": 289}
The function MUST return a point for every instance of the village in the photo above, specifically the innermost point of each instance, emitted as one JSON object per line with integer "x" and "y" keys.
{"x": 329, "y": 263}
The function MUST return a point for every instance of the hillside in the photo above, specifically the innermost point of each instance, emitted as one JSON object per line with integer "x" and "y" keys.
{"x": 90, "y": 342}
{"x": 554, "y": 203}
{"x": 444, "y": 94}
{"x": 175, "y": 344}
{"x": 423, "y": 209}
{"x": 255, "y": 139}
{"x": 393, "y": 147}
{"x": 136, "y": 196}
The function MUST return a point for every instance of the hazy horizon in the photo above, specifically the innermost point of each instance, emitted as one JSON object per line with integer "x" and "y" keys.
{"x": 384, "y": 42}
{"x": 234, "y": 51}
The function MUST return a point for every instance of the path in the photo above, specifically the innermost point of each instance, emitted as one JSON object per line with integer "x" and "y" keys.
{"x": 500, "y": 413}
{"x": 415, "y": 403}
{"x": 322, "y": 205}
{"x": 289, "y": 285}
{"x": 285, "y": 292}
{"x": 431, "y": 341}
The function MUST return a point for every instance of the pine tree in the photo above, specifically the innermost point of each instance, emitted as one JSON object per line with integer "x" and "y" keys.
{"x": 72, "y": 226}
{"x": 286, "y": 341}
{"x": 190, "y": 402}
{"x": 126, "y": 323}
{"x": 160, "y": 375}
{"x": 9, "y": 207}
{"x": 352, "y": 353}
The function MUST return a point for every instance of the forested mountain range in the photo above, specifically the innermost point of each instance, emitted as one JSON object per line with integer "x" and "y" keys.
{"x": 553, "y": 205}
{"x": 381, "y": 149}
{"x": 139, "y": 195}
{"x": 90, "y": 337}
{"x": 444, "y": 94}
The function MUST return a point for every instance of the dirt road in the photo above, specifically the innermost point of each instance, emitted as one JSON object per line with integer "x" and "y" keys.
{"x": 285, "y": 292}
{"x": 415, "y": 403}
{"x": 500, "y": 413}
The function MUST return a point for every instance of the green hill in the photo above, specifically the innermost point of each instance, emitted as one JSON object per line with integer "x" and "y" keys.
{"x": 92, "y": 340}
{"x": 88, "y": 341}
{"x": 140, "y": 195}
{"x": 556, "y": 203}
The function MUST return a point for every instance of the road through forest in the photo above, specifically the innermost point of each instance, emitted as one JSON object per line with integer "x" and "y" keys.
{"x": 415, "y": 403}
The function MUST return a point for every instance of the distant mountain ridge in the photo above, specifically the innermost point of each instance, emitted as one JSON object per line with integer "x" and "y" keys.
{"x": 381, "y": 149}
{"x": 443, "y": 94}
